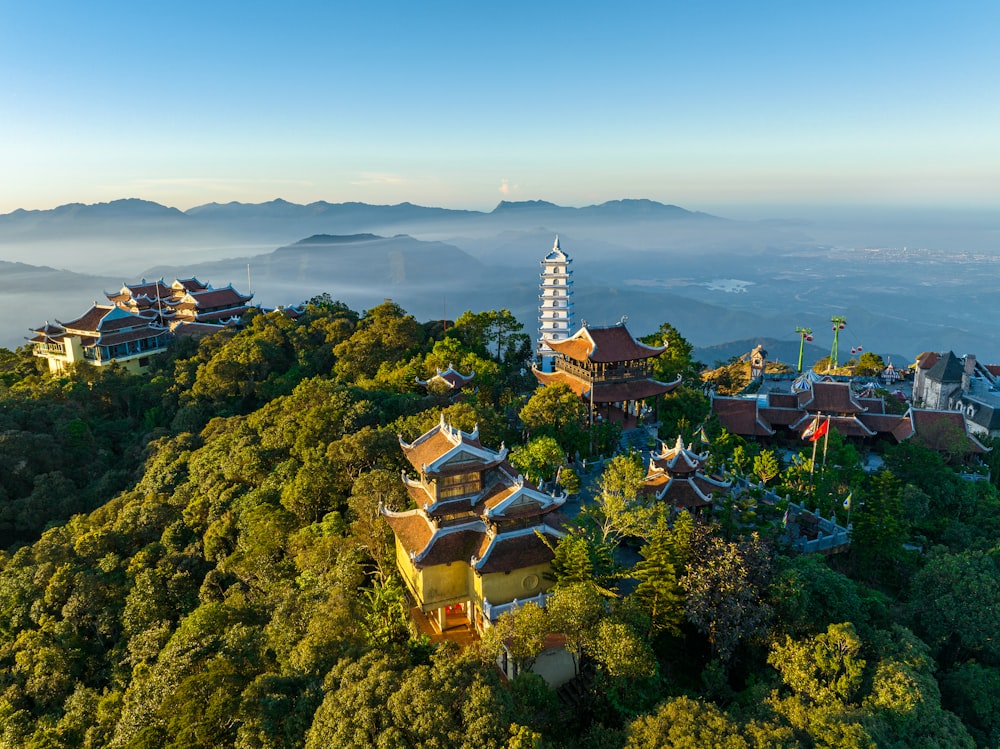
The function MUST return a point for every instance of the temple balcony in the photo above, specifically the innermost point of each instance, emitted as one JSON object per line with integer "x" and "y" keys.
{"x": 607, "y": 375}
{"x": 56, "y": 350}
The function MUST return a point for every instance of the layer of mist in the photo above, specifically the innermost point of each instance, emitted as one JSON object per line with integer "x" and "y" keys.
{"x": 716, "y": 280}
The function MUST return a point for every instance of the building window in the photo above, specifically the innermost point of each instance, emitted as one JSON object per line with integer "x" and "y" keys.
{"x": 459, "y": 485}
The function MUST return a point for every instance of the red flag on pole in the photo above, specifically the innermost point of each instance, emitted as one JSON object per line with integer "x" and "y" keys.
{"x": 821, "y": 430}
{"x": 816, "y": 429}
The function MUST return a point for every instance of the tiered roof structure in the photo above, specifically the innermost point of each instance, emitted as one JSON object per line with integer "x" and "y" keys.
{"x": 184, "y": 300}
{"x": 140, "y": 320}
{"x": 474, "y": 540}
{"x": 555, "y": 303}
{"x": 448, "y": 379}
{"x": 676, "y": 476}
{"x": 850, "y": 414}
{"x": 606, "y": 366}
{"x": 102, "y": 335}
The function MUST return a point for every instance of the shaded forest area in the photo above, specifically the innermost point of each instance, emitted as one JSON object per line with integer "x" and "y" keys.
{"x": 195, "y": 558}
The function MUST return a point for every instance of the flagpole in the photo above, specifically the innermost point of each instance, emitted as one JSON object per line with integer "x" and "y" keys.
{"x": 812, "y": 467}
{"x": 826, "y": 440}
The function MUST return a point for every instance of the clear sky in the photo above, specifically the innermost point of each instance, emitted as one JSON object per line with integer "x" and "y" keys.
{"x": 463, "y": 104}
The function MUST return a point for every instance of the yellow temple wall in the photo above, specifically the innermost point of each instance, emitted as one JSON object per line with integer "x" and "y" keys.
{"x": 436, "y": 586}
{"x": 444, "y": 584}
{"x": 503, "y": 587}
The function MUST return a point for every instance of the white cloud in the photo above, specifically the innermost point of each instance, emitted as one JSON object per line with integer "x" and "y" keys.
{"x": 506, "y": 188}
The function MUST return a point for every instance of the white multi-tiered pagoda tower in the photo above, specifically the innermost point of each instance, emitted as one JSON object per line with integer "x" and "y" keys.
{"x": 555, "y": 304}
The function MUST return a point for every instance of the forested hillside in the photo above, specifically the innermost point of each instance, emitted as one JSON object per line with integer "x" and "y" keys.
{"x": 195, "y": 558}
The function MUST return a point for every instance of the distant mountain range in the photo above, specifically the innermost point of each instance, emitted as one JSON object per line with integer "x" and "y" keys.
{"x": 279, "y": 217}
{"x": 717, "y": 280}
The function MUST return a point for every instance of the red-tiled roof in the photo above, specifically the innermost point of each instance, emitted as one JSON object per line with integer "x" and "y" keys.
{"x": 608, "y": 392}
{"x": 684, "y": 492}
{"x": 218, "y": 297}
{"x": 450, "y": 377}
{"x": 779, "y": 416}
{"x": 940, "y": 430}
{"x": 89, "y": 321}
{"x": 454, "y": 546}
{"x": 604, "y": 345}
{"x": 188, "y": 284}
{"x": 49, "y": 329}
{"x": 848, "y": 426}
{"x": 110, "y": 325}
{"x": 782, "y": 400}
{"x": 880, "y": 423}
{"x": 677, "y": 460}
{"x": 927, "y": 359}
{"x": 411, "y": 528}
{"x": 196, "y": 329}
{"x": 431, "y": 446}
{"x": 873, "y": 405}
{"x": 830, "y": 397}
{"x": 739, "y": 416}
{"x": 521, "y": 551}
{"x": 147, "y": 289}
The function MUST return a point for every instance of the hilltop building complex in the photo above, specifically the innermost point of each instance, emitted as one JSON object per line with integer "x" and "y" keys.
{"x": 849, "y": 414}
{"x": 139, "y": 320}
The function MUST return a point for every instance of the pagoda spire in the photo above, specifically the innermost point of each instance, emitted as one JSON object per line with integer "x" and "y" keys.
{"x": 555, "y": 303}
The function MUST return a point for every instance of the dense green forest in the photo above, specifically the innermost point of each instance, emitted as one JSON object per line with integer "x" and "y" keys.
{"x": 195, "y": 558}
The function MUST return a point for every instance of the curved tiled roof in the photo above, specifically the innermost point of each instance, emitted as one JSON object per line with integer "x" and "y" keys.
{"x": 450, "y": 377}
{"x": 608, "y": 392}
{"x": 830, "y": 397}
{"x": 604, "y": 346}
{"x": 739, "y": 416}
{"x": 848, "y": 426}
{"x": 506, "y": 552}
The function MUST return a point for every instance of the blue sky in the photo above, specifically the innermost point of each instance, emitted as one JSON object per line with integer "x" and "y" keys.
{"x": 702, "y": 104}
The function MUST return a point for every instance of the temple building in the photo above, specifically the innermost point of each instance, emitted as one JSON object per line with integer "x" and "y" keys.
{"x": 140, "y": 320}
{"x": 472, "y": 548}
{"x": 608, "y": 369}
{"x": 677, "y": 478}
{"x": 947, "y": 431}
{"x": 185, "y": 300}
{"x": 103, "y": 335}
{"x": 447, "y": 381}
{"x": 850, "y": 414}
{"x": 555, "y": 304}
